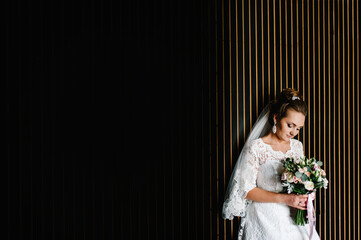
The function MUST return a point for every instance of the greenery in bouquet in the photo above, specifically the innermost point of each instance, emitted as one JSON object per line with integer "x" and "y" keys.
{"x": 302, "y": 176}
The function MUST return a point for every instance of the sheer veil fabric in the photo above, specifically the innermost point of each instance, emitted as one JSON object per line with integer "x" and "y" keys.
{"x": 235, "y": 203}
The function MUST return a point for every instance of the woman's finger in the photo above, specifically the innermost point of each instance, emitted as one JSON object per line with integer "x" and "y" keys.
{"x": 302, "y": 205}
{"x": 304, "y": 198}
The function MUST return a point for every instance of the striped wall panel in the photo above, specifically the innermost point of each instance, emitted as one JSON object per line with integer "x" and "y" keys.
{"x": 262, "y": 47}
{"x": 125, "y": 119}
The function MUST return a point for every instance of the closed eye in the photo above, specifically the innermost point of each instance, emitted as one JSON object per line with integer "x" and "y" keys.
{"x": 290, "y": 126}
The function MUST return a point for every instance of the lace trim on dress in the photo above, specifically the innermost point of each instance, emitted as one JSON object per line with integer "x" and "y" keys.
{"x": 270, "y": 147}
{"x": 244, "y": 180}
{"x": 245, "y": 177}
{"x": 266, "y": 152}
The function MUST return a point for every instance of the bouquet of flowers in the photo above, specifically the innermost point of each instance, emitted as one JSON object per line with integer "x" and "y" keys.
{"x": 302, "y": 176}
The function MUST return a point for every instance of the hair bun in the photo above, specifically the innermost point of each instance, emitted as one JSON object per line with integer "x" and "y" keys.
{"x": 288, "y": 93}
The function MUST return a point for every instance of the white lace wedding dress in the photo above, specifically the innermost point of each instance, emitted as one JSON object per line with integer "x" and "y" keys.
{"x": 271, "y": 221}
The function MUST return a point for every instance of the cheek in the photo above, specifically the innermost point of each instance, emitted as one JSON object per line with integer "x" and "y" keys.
{"x": 284, "y": 128}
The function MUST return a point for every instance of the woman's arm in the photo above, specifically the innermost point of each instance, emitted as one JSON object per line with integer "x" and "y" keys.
{"x": 292, "y": 200}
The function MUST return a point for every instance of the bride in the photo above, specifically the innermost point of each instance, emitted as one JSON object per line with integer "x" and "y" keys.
{"x": 254, "y": 189}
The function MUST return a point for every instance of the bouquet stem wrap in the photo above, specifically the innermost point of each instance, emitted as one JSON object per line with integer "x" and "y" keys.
{"x": 311, "y": 212}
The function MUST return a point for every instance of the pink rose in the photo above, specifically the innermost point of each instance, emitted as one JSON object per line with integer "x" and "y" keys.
{"x": 295, "y": 179}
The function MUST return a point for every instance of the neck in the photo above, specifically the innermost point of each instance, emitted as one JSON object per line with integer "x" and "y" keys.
{"x": 274, "y": 138}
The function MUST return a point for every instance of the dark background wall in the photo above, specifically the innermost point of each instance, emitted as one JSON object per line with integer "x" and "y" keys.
{"x": 124, "y": 120}
{"x": 103, "y": 104}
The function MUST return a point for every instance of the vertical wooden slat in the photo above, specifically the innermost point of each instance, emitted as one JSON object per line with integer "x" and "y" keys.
{"x": 217, "y": 130}
{"x": 230, "y": 100}
{"x": 308, "y": 80}
{"x": 319, "y": 125}
{"x": 223, "y": 122}
{"x": 274, "y": 50}
{"x": 348, "y": 122}
{"x": 339, "y": 122}
{"x": 250, "y": 62}
{"x": 286, "y": 44}
{"x": 325, "y": 207}
{"x": 262, "y": 63}
{"x": 354, "y": 159}
{"x": 237, "y": 75}
{"x": 207, "y": 104}
{"x": 180, "y": 166}
{"x": 303, "y": 63}
{"x": 210, "y": 126}
{"x": 237, "y": 91}
{"x": 343, "y": 121}
{"x": 298, "y": 47}
{"x": 292, "y": 47}
{"x": 269, "y": 52}
{"x": 331, "y": 156}
{"x": 244, "y": 74}
{"x": 281, "y": 70}
{"x": 314, "y": 124}
{"x": 334, "y": 178}
{"x": 256, "y": 55}
{"x": 358, "y": 111}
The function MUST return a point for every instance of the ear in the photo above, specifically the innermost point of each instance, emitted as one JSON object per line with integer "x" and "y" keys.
{"x": 274, "y": 117}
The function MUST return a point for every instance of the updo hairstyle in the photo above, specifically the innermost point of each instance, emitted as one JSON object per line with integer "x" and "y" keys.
{"x": 285, "y": 102}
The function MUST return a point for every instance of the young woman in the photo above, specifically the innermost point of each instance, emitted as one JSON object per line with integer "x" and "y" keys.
{"x": 254, "y": 189}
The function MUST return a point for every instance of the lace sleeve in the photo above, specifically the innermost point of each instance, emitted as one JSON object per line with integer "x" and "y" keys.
{"x": 243, "y": 179}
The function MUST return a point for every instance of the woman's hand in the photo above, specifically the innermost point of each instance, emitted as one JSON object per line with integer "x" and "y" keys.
{"x": 296, "y": 201}
{"x": 292, "y": 200}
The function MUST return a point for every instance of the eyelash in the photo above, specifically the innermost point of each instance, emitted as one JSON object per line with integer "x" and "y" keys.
{"x": 291, "y": 127}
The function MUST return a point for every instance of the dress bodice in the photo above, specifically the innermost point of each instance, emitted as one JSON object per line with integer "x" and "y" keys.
{"x": 270, "y": 167}
{"x": 260, "y": 166}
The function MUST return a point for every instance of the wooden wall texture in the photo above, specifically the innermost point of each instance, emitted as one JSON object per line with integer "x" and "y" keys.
{"x": 125, "y": 118}
{"x": 264, "y": 46}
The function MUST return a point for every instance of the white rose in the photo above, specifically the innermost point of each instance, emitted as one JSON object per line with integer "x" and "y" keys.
{"x": 309, "y": 185}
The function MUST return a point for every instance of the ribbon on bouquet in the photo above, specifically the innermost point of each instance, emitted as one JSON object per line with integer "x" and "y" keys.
{"x": 311, "y": 212}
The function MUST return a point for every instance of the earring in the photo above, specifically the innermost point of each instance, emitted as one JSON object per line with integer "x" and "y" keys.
{"x": 274, "y": 129}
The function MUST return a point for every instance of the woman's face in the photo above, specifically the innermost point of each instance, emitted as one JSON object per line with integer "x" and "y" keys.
{"x": 289, "y": 126}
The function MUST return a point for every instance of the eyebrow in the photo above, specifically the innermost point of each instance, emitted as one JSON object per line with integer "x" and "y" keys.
{"x": 296, "y": 125}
